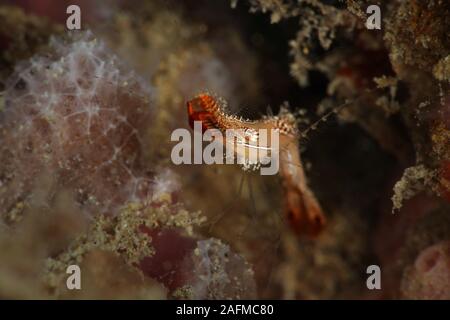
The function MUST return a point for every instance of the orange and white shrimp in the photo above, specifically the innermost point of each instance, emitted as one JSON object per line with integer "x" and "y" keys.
{"x": 302, "y": 209}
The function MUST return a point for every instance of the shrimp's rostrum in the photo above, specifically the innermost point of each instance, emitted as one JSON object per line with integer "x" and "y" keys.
{"x": 302, "y": 210}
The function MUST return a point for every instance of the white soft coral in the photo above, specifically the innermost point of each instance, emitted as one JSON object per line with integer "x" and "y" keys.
{"x": 78, "y": 114}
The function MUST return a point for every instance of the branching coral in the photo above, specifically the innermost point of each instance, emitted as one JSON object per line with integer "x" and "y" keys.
{"x": 414, "y": 180}
{"x": 318, "y": 23}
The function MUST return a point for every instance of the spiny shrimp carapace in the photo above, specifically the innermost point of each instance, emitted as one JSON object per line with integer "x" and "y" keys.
{"x": 302, "y": 210}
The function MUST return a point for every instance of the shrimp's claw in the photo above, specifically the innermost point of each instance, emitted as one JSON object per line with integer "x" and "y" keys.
{"x": 198, "y": 110}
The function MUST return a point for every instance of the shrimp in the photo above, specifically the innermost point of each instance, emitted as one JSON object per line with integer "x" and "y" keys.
{"x": 301, "y": 208}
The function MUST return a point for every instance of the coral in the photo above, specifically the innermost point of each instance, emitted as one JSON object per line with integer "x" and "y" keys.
{"x": 429, "y": 277}
{"x": 80, "y": 116}
{"x": 202, "y": 269}
{"x": 319, "y": 269}
{"x": 420, "y": 25}
{"x": 222, "y": 274}
{"x": 75, "y": 121}
{"x": 85, "y": 170}
{"x": 127, "y": 236}
{"x": 21, "y": 35}
{"x": 418, "y": 55}
{"x": 158, "y": 243}
{"x": 420, "y": 223}
{"x": 106, "y": 276}
{"x": 317, "y": 21}
{"x": 440, "y": 137}
{"x": 441, "y": 69}
{"x": 41, "y": 233}
{"x": 414, "y": 180}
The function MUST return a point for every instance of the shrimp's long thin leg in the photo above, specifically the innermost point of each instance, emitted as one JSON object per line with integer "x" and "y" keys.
{"x": 253, "y": 214}
{"x": 229, "y": 205}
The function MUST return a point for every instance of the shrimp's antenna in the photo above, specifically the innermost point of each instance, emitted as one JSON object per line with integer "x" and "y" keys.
{"x": 324, "y": 118}
{"x": 334, "y": 110}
